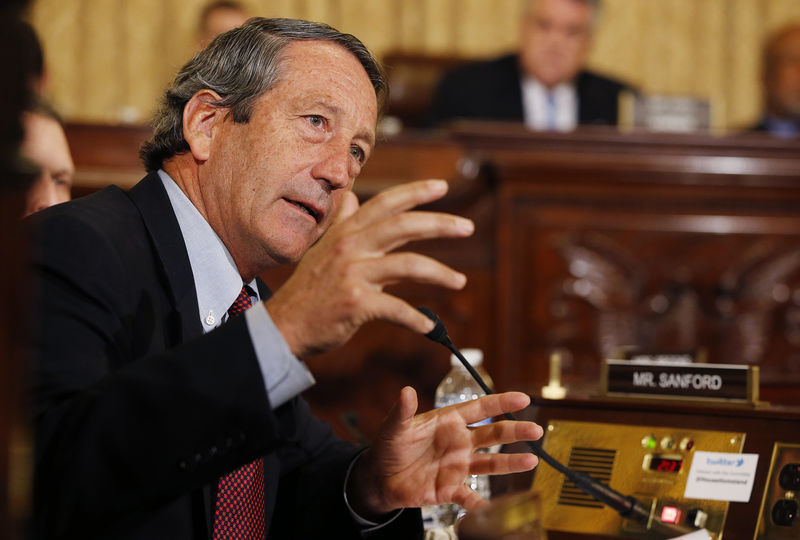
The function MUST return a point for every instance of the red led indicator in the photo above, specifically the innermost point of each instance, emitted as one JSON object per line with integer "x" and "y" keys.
{"x": 665, "y": 464}
{"x": 670, "y": 514}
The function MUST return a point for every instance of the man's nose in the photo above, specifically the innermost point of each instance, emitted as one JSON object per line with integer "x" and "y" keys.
{"x": 335, "y": 168}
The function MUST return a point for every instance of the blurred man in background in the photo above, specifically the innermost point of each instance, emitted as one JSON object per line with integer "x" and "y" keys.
{"x": 782, "y": 83}
{"x": 545, "y": 84}
{"x": 45, "y": 147}
{"x": 217, "y": 17}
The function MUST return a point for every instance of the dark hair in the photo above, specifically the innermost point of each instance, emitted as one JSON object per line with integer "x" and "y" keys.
{"x": 42, "y": 107}
{"x": 240, "y": 65}
{"x": 32, "y": 54}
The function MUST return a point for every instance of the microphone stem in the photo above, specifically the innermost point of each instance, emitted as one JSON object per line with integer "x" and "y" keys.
{"x": 468, "y": 366}
{"x": 626, "y": 506}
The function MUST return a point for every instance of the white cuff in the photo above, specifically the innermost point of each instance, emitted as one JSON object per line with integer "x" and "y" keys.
{"x": 284, "y": 375}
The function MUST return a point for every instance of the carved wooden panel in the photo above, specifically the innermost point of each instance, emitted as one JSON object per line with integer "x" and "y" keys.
{"x": 655, "y": 281}
{"x": 664, "y": 244}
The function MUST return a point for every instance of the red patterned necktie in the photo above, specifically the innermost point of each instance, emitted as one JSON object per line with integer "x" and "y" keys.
{"x": 239, "y": 512}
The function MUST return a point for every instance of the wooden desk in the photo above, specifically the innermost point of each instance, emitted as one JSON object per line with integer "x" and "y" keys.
{"x": 666, "y": 243}
{"x": 763, "y": 427}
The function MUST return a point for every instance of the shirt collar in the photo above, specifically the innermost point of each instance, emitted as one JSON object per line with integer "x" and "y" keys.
{"x": 216, "y": 277}
{"x": 537, "y": 99}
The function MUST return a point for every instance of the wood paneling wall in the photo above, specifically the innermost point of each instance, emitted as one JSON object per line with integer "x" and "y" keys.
{"x": 110, "y": 59}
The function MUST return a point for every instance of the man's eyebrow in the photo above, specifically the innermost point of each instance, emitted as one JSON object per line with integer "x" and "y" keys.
{"x": 63, "y": 172}
{"x": 366, "y": 135}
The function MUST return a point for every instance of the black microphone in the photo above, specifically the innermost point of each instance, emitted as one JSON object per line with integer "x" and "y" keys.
{"x": 439, "y": 335}
{"x": 627, "y": 506}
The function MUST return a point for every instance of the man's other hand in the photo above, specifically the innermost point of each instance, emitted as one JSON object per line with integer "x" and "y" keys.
{"x": 425, "y": 459}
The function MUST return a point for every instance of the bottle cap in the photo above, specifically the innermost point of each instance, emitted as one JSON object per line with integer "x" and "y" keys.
{"x": 473, "y": 356}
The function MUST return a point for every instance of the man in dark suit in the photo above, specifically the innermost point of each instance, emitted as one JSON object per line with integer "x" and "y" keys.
{"x": 160, "y": 411}
{"x": 544, "y": 85}
{"x": 782, "y": 84}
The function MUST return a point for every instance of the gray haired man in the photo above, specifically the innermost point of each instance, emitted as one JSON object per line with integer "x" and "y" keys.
{"x": 159, "y": 412}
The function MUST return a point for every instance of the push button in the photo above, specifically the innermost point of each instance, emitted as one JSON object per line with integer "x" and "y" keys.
{"x": 697, "y": 518}
{"x": 686, "y": 444}
{"x": 649, "y": 442}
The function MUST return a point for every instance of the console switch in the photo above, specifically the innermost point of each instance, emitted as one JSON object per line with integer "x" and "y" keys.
{"x": 697, "y": 518}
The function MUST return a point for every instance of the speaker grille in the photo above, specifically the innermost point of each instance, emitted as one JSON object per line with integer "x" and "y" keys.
{"x": 595, "y": 462}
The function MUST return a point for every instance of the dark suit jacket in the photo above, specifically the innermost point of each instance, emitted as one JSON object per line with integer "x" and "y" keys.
{"x": 137, "y": 412}
{"x": 491, "y": 90}
{"x": 763, "y": 125}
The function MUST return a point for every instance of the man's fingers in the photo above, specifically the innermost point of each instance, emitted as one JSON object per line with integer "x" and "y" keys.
{"x": 492, "y": 405}
{"x": 348, "y": 208}
{"x": 386, "y": 307}
{"x": 401, "y": 413}
{"x": 399, "y": 199}
{"x": 505, "y": 432}
{"x": 411, "y": 267}
{"x": 395, "y": 230}
{"x": 467, "y": 498}
{"x": 407, "y": 404}
{"x": 502, "y": 463}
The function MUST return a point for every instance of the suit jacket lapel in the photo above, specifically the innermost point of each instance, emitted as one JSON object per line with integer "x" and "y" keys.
{"x": 513, "y": 81}
{"x": 151, "y": 199}
{"x": 264, "y": 292}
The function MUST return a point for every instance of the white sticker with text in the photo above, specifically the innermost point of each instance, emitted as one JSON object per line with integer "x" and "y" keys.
{"x": 721, "y": 476}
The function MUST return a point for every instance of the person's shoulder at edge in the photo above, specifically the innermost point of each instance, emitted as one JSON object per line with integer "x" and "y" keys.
{"x": 111, "y": 203}
{"x": 465, "y": 90}
{"x": 103, "y": 220}
{"x": 478, "y": 70}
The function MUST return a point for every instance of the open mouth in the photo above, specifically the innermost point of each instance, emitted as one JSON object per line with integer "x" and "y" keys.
{"x": 305, "y": 208}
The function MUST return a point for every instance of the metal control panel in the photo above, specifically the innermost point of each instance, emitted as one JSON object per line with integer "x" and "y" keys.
{"x": 650, "y": 463}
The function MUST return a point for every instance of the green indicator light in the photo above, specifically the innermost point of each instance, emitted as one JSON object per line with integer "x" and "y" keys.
{"x": 649, "y": 442}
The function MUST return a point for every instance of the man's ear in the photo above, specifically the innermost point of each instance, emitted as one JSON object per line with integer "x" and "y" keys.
{"x": 200, "y": 121}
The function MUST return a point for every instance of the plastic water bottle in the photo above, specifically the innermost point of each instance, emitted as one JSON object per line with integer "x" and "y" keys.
{"x": 458, "y": 386}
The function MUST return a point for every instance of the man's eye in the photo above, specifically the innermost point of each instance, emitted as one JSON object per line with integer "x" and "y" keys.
{"x": 61, "y": 180}
{"x": 315, "y": 120}
{"x": 357, "y": 153}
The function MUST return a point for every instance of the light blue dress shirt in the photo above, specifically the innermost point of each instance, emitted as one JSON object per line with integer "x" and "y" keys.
{"x": 218, "y": 284}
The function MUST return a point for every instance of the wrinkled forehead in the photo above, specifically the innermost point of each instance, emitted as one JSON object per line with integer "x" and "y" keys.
{"x": 316, "y": 69}
{"x": 295, "y": 52}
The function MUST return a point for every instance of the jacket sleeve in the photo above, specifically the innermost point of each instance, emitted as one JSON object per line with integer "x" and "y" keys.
{"x": 310, "y": 496}
{"x": 122, "y": 428}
